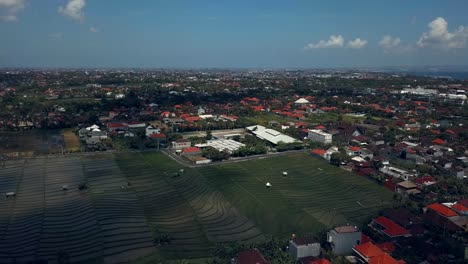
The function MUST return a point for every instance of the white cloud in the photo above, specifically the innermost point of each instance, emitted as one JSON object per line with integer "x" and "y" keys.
{"x": 332, "y": 42}
{"x": 94, "y": 30}
{"x": 439, "y": 36}
{"x": 389, "y": 42}
{"x": 73, "y": 9}
{"x": 10, "y": 8}
{"x": 357, "y": 43}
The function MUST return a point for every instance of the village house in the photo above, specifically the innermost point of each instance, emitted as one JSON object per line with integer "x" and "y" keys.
{"x": 151, "y": 130}
{"x": 181, "y": 144}
{"x": 320, "y": 136}
{"x": 251, "y": 256}
{"x": 304, "y": 247}
{"x": 343, "y": 239}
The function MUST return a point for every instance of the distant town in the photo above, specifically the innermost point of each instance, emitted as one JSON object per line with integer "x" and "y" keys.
{"x": 269, "y": 143}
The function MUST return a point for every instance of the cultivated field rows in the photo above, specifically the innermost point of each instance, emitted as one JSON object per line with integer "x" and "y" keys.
{"x": 182, "y": 205}
{"x": 103, "y": 223}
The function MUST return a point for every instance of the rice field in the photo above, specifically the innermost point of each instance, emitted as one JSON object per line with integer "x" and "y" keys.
{"x": 313, "y": 196}
{"x": 131, "y": 200}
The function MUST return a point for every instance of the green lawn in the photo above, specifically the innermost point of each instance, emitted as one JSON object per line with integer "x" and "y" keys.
{"x": 314, "y": 195}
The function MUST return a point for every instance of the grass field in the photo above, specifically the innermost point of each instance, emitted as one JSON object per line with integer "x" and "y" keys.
{"x": 314, "y": 195}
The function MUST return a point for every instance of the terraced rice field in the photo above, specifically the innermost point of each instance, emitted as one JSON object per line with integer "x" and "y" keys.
{"x": 184, "y": 206}
{"x": 135, "y": 198}
{"x": 101, "y": 224}
{"x": 313, "y": 196}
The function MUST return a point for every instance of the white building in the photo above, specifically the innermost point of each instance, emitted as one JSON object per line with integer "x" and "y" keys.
{"x": 151, "y": 130}
{"x": 320, "y": 136}
{"x": 302, "y": 101}
{"x": 396, "y": 172}
{"x": 222, "y": 144}
{"x": 270, "y": 135}
{"x": 343, "y": 239}
{"x": 304, "y": 247}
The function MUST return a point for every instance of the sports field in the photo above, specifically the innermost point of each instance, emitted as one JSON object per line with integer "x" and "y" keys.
{"x": 314, "y": 195}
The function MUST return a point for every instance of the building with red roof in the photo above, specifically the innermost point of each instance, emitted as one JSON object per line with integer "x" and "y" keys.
{"x": 441, "y": 210}
{"x": 158, "y": 136}
{"x": 387, "y": 247}
{"x": 312, "y": 260}
{"x": 191, "y": 151}
{"x": 389, "y": 228}
{"x": 460, "y": 208}
{"x": 366, "y": 251}
{"x": 438, "y": 141}
{"x": 445, "y": 218}
{"x": 318, "y": 152}
{"x": 385, "y": 259}
{"x": 370, "y": 253}
{"x": 251, "y": 256}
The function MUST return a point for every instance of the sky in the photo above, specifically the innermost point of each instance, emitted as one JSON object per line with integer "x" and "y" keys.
{"x": 233, "y": 34}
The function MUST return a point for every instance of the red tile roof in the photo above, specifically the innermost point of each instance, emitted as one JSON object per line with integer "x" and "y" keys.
{"x": 191, "y": 150}
{"x": 438, "y": 141}
{"x": 368, "y": 250}
{"x": 391, "y": 228}
{"x": 387, "y": 247}
{"x": 319, "y": 152}
{"x": 157, "y": 135}
{"x": 384, "y": 259}
{"x": 114, "y": 125}
{"x": 364, "y": 239}
{"x": 442, "y": 210}
{"x": 252, "y": 256}
{"x": 354, "y": 148}
{"x": 460, "y": 207}
{"x": 315, "y": 261}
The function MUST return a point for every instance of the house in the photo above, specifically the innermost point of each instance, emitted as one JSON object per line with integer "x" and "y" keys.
{"x": 389, "y": 228}
{"x": 396, "y": 172}
{"x": 406, "y": 188}
{"x": 315, "y": 111}
{"x": 353, "y": 151}
{"x": 181, "y": 144}
{"x": 320, "y": 136}
{"x": 251, "y": 256}
{"x": 158, "y": 136}
{"x": 319, "y": 152}
{"x": 312, "y": 260}
{"x": 370, "y": 253}
{"x": 343, "y": 239}
{"x": 301, "y": 101}
{"x": 136, "y": 125}
{"x": 304, "y": 247}
{"x": 111, "y": 127}
{"x": 192, "y": 151}
{"x": 445, "y": 218}
{"x": 151, "y": 130}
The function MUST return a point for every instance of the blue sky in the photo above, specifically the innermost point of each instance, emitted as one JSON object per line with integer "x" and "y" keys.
{"x": 279, "y": 34}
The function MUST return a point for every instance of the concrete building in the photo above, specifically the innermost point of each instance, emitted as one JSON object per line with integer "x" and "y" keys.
{"x": 181, "y": 144}
{"x": 343, "y": 239}
{"x": 270, "y": 135}
{"x": 320, "y": 136}
{"x": 304, "y": 247}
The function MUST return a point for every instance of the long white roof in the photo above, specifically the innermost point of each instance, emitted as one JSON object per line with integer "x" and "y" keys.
{"x": 270, "y": 135}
